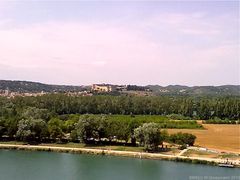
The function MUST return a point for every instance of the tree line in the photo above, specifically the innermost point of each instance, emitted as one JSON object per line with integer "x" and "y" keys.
{"x": 193, "y": 107}
{"x": 89, "y": 129}
{"x": 51, "y": 107}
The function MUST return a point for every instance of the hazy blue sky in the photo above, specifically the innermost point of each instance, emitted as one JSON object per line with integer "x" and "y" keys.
{"x": 120, "y": 42}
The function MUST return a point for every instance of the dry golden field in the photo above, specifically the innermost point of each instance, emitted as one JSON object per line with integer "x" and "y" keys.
{"x": 221, "y": 137}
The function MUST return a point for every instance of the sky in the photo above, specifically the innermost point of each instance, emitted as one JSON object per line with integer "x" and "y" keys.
{"x": 120, "y": 42}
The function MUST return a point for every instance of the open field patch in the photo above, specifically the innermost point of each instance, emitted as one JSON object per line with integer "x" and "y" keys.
{"x": 222, "y": 137}
{"x": 163, "y": 121}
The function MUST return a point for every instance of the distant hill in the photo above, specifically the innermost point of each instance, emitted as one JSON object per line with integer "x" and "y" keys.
{"x": 27, "y": 86}
{"x": 196, "y": 90}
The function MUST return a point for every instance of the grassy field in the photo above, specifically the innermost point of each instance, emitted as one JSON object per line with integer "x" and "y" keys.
{"x": 164, "y": 121}
{"x": 197, "y": 153}
{"x": 194, "y": 153}
{"x": 222, "y": 137}
{"x": 229, "y": 156}
{"x": 80, "y": 145}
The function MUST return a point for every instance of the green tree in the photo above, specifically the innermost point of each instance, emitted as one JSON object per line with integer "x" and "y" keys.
{"x": 90, "y": 127}
{"x": 2, "y": 128}
{"x": 182, "y": 138}
{"x": 31, "y": 129}
{"x": 36, "y": 113}
{"x": 55, "y": 128}
{"x": 68, "y": 126}
{"x": 149, "y": 136}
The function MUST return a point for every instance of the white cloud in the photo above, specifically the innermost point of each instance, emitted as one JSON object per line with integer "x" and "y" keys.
{"x": 194, "y": 31}
{"x": 4, "y": 22}
{"x": 76, "y": 46}
{"x": 5, "y": 6}
{"x": 197, "y": 23}
{"x": 77, "y": 52}
{"x": 99, "y": 63}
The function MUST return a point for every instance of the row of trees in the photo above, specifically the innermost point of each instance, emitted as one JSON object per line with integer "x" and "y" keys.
{"x": 193, "y": 107}
{"x": 94, "y": 129}
{"x": 51, "y": 107}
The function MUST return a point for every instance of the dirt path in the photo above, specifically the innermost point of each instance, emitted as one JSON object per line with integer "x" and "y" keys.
{"x": 111, "y": 152}
{"x": 182, "y": 152}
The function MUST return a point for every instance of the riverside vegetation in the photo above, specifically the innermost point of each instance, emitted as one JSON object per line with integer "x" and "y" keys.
{"x": 61, "y": 118}
{"x": 98, "y": 130}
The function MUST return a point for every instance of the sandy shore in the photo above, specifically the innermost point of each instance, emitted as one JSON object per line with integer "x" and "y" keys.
{"x": 112, "y": 153}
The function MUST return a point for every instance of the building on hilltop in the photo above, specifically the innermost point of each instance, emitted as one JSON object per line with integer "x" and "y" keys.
{"x": 108, "y": 88}
{"x": 102, "y": 87}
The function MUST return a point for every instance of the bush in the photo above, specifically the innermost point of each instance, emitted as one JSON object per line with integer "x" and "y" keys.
{"x": 182, "y": 147}
{"x": 219, "y": 121}
{"x": 182, "y": 138}
{"x": 178, "y": 117}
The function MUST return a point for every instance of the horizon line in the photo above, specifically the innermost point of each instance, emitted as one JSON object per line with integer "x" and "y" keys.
{"x": 65, "y": 84}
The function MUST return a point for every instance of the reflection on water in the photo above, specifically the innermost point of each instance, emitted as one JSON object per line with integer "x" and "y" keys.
{"x": 26, "y": 165}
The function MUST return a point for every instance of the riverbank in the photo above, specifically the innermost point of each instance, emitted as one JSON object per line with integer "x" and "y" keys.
{"x": 144, "y": 155}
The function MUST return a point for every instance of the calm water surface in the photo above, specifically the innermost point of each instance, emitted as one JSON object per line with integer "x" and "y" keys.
{"x": 25, "y": 165}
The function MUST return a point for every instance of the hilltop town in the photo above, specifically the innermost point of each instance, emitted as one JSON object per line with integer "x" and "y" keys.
{"x": 86, "y": 91}
{"x": 25, "y": 88}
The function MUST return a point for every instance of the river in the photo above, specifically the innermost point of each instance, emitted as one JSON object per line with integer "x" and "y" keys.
{"x": 30, "y": 165}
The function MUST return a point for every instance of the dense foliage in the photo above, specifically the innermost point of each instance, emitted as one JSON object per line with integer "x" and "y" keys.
{"x": 54, "y": 109}
{"x": 88, "y": 129}
{"x": 199, "y": 108}
{"x": 127, "y": 118}
{"x": 27, "y": 86}
{"x": 182, "y": 138}
{"x": 136, "y": 88}
{"x": 31, "y": 129}
{"x": 149, "y": 136}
